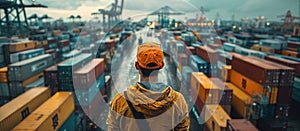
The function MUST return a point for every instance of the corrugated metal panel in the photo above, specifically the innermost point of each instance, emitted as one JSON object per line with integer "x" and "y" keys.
{"x": 257, "y": 71}
{"x": 240, "y": 100}
{"x": 23, "y": 70}
{"x": 51, "y": 115}
{"x": 207, "y": 54}
{"x": 11, "y": 113}
{"x": 240, "y": 125}
{"x": 217, "y": 118}
{"x": 253, "y": 88}
{"x": 208, "y": 92}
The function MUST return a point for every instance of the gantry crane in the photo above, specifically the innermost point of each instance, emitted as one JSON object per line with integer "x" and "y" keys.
{"x": 112, "y": 12}
{"x": 14, "y": 20}
{"x": 288, "y": 19}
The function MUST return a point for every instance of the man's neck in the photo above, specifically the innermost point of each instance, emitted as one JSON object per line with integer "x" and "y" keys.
{"x": 149, "y": 79}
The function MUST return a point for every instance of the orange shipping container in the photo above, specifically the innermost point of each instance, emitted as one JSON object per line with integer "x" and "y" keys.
{"x": 19, "y": 108}
{"x": 216, "y": 118}
{"x": 21, "y": 46}
{"x": 3, "y": 74}
{"x": 289, "y": 53}
{"x": 51, "y": 115}
{"x": 253, "y": 88}
{"x": 226, "y": 73}
{"x": 240, "y": 99}
{"x": 207, "y": 91}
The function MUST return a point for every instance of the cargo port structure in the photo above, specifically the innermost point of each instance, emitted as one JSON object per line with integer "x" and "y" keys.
{"x": 14, "y": 19}
{"x": 231, "y": 79}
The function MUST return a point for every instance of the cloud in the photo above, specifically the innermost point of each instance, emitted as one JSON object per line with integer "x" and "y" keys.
{"x": 70, "y": 4}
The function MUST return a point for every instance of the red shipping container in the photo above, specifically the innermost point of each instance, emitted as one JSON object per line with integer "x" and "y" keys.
{"x": 240, "y": 125}
{"x": 207, "y": 54}
{"x": 257, "y": 71}
{"x": 284, "y": 95}
{"x": 286, "y": 77}
{"x": 51, "y": 40}
{"x": 64, "y": 43}
{"x": 286, "y": 62}
{"x": 292, "y": 44}
{"x": 89, "y": 73}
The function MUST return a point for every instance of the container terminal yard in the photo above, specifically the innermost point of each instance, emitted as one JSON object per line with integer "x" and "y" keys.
{"x": 235, "y": 75}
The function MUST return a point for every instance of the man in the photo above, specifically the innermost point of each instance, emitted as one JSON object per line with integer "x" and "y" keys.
{"x": 149, "y": 104}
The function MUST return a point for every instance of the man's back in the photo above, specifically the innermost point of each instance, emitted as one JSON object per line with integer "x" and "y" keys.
{"x": 164, "y": 110}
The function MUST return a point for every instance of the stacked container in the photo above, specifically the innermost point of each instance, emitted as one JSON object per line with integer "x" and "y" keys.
{"x": 22, "y": 73}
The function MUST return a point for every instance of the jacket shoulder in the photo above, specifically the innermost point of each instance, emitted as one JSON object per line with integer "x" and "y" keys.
{"x": 118, "y": 103}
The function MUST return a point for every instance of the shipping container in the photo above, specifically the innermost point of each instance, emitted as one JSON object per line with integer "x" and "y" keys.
{"x": 24, "y": 55}
{"x": 214, "y": 46}
{"x": 186, "y": 75}
{"x": 227, "y": 108}
{"x": 255, "y": 70}
{"x": 84, "y": 97}
{"x": 23, "y": 70}
{"x": 87, "y": 75}
{"x": 240, "y": 125}
{"x": 17, "y": 87}
{"x": 273, "y": 125}
{"x": 265, "y": 93}
{"x": 189, "y": 50}
{"x": 4, "y": 90}
{"x": 290, "y": 53}
{"x": 37, "y": 83}
{"x": 51, "y": 78}
{"x": 56, "y": 33}
{"x": 38, "y": 37}
{"x": 69, "y": 124}
{"x": 207, "y": 54}
{"x": 208, "y": 92}
{"x": 51, "y": 115}
{"x": 225, "y": 58}
{"x": 282, "y": 111}
{"x": 3, "y": 74}
{"x": 41, "y": 44}
{"x": 198, "y": 64}
{"x": 225, "y": 93}
{"x": 286, "y": 76}
{"x": 66, "y": 69}
{"x": 286, "y": 62}
{"x": 275, "y": 44}
{"x": 19, "y": 108}
{"x": 226, "y": 70}
{"x": 216, "y": 118}
{"x": 20, "y": 46}
{"x": 183, "y": 59}
{"x": 229, "y": 47}
{"x": 296, "y": 94}
{"x": 263, "y": 49}
{"x": 71, "y": 54}
{"x": 240, "y": 100}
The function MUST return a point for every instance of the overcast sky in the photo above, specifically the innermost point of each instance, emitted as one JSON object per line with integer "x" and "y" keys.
{"x": 226, "y": 8}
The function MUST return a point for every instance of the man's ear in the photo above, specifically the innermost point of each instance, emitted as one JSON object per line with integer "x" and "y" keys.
{"x": 136, "y": 64}
{"x": 162, "y": 66}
